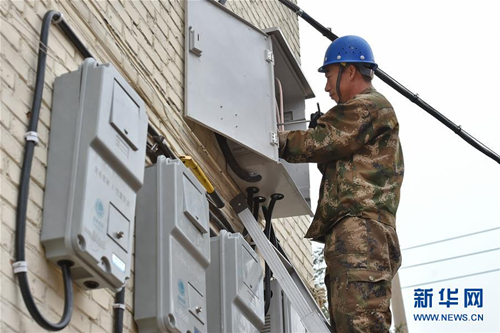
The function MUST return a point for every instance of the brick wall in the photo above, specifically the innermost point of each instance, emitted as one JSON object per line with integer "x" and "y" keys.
{"x": 145, "y": 42}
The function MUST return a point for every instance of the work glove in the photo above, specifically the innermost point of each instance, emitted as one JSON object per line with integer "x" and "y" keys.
{"x": 314, "y": 119}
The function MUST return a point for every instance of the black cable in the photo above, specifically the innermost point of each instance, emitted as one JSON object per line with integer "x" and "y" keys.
{"x": 452, "y": 238}
{"x": 268, "y": 232}
{"x": 451, "y": 258}
{"x": 453, "y": 278}
{"x": 73, "y": 37}
{"x": 119, "y": 307}
{"x": 68, "y": 299}
{"x": 402, "y": 90}
{"x": 276, "y": 243}
{"x": 250, "y": 194}
{"x": 256, "y": 205}
{"x": 436, "y": 114}
{"x": 160, "y": 143}
{"x": 22, "y": 202}
{"x": 220, "y": 216}
{"x": 250, "y": 177}
{"x": 216, "y": 221}
{"x": 325, "y": 31}
{"x": 274, "y": 197}
{"x": 151, "y": 152}
{"x": 267, "y": 271}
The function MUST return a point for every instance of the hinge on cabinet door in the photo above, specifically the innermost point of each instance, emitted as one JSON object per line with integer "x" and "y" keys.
{"x": 274, "y": 138}
{"x": 270, "y": 56}
{"x": 194, "y": 42}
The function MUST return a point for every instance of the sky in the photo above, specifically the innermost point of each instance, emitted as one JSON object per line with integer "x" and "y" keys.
{"x": 447, "y": 52}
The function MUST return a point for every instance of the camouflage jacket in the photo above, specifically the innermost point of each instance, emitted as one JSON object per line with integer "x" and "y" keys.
{"x": 357, "y": 148}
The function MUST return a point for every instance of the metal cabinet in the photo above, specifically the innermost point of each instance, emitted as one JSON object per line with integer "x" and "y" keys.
{"x": 231, "y": 69}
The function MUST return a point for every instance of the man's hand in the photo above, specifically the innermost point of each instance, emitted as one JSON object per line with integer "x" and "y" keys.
{"x": 314, "y": 117}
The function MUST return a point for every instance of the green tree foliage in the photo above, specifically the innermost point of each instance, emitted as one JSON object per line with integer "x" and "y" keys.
{"x": 319, "y": 267}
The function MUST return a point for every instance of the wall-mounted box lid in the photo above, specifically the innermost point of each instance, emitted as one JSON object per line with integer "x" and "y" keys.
{"x": 229, "y": 76}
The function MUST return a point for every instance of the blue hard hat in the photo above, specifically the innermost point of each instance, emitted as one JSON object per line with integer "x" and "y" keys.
{"x": 349, "y": 49}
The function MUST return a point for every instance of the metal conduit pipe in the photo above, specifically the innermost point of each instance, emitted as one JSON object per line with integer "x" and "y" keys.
{"x": 281, "y": 112}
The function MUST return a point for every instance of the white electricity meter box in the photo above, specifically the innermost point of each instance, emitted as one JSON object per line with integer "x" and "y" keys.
{"x": 172, "y": 250}
{"x": 281, "y": 316}
{"x": 232, "y": 70}
{"x": 95, "y": 168}
{"x": 234, "y": 286}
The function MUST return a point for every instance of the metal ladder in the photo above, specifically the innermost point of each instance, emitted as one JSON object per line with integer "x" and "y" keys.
{"x": 300, "y": 298}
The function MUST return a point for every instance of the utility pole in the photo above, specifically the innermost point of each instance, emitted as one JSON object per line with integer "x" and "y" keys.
{"x": 398, "y": 308}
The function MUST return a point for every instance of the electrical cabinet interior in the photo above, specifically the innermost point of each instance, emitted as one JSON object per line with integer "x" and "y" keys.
{"x": 230, "y": 68}
{"x": 281, "y": 316}
{"x": 96, "y": 166}
{"x": 296, "y": 90}
{"x": 172, "y": 250}
{"x": 234, "y": 286}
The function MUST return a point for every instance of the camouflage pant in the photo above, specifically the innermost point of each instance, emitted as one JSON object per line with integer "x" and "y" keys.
{"x": 362, "y": 256}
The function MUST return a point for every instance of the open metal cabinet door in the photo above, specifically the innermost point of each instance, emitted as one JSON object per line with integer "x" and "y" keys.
{"x": 296, "y": 90}
{"x": 230, "y": 89}
{"x": 229, "y": 77}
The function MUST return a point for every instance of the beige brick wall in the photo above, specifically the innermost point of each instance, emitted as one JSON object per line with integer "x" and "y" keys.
{"x": 145, "y": 42}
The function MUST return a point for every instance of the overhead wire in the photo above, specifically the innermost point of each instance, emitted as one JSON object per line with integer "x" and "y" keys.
{"x": 451, "y": 258}
{"x": 452, "y": 278}
{"x": 451, "y": 238}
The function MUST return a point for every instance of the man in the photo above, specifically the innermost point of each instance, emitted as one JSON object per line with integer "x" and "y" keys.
{"x": 356, "y": 146}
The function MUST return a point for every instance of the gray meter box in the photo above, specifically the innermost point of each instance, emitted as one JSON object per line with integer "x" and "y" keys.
{"x": 172, "y": 250}
{"x": 95, "y": 168}
{"x": 234, "y": 286}
{"x": 281, "y": 317}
